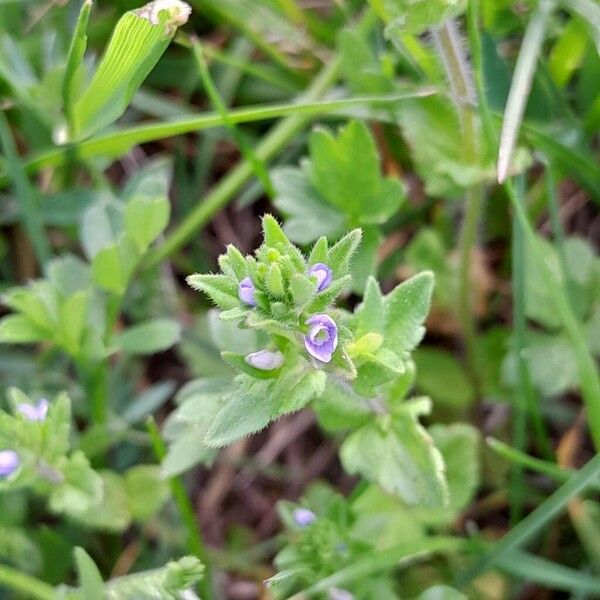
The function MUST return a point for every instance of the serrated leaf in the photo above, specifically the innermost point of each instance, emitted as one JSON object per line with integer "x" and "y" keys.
{"x": 397, "y": 453}
{"x": 249, "y": 407}
{"x": 340, "y": 254}
{"x": 459, "y": 444}
{"x": 406, "y": 308}
{"x": 308, "y": 215}
{"x": 345, "y": 170}
{"x": 222, "y": 290}
{"x": 369, "y": 316}
{"x": 149, "y": 337}
{"x": 415, "y": 16}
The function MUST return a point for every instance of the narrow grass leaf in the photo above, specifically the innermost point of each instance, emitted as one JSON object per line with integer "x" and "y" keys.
{"x": 521, "y": 85}
{"x": 534, "y": 569}
{"x": 530, "y": 526}
{"x": 74, "y": 60}
{"x": 248, "y": 153}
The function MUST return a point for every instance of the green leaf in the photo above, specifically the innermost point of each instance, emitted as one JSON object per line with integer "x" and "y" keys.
{"x": 113, "y": 266}
{"x": 90, "y": 579}
{"x": 341, "y": 253}
{"x": 363, "y": 72}
{"x": 101, "y": 225}
{"x": 146, "y": 219}
{"x": 149, "y": 337}
{"x": 79, "y": 491}
{"x": 73, "y": 314}
{"x": 459, "y": 444}
{"x": 222, "y": 290}
{"x": 249, "y": 407}
{"x": 398, "y": 454}
{"x": 274, "y": 237}
{"x": 18, "y": 329}
{"x": 308, "y": 216}
{"x": 146, "y": 491}
{"x": 406, "y": 308}
{"x": 166, "y": 583}
{"x": 138, "y": 41}
{"x": 345, "y": 170}
{"x": 441, "y": 376}
{"x": 68, "y": 274}
{"x": 439, "y": 161}
{"x": 415, "y": 16}
{"x": 369, "y": 316}
{"x": 340, "y": 408}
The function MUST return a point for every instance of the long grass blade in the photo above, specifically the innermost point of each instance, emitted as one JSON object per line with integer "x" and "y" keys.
{"x": 530, "y": 526}
{"x": 74, "y": 59}
{"x": 586, "y": 364}
{"x": 258, "y": 166}
{"x": 118, "y": 142}
{"x": 551, "y": 575}
{"x": 521, "y": 84}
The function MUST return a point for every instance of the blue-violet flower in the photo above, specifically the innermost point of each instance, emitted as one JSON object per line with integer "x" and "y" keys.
{"x": 9, "y": 462}
{"x": 323, "y": 274}
{"x": 265, "y": 360}
{"x": 339, "y": 594}
{"x": 34, "y": 412}
{"x": 321, "y": 339}
{"x": 246, "y": 291}
{"x": 303, "y": 517}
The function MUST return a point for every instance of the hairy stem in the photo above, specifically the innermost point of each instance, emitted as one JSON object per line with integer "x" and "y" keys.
{"x": 448, "y": 45}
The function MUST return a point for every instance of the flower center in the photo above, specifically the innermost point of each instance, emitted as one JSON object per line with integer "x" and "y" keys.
{"x": 319, "y": 335}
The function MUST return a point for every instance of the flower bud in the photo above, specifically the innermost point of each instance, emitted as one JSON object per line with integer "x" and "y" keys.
{"x": 9, "y": 462}
{"x": 303, "y": 517}
{"x": 246, "y": 291}
{"x": 323, "y": 274}
{"x": 265, "y": 360}
{"x": 34, "y": 412}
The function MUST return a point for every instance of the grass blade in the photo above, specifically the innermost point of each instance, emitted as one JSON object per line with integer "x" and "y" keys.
{"x": 538, "y": 465}
{"x": 521, "y": 84}
{"x": 117, "y": 143}
{"x": 74, "y": 59}
{"x": 529, "y": 527}
{"x": 549, "y": 574}
{"x": 258, "y": 165}
{"x": 586, "y": 364}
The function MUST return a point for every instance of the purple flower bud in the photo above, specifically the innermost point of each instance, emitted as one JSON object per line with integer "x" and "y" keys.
{"x": 321, "y": 340}
{"x": 9, "y": 462}
{"x": 34, "y": 412}
{"x": 265, "y": 360}
{"x": 339, "y": 594}
{"x": 246, "y": 291}
{"x": 303, "y": 517}
{"x": 323, "y": 274}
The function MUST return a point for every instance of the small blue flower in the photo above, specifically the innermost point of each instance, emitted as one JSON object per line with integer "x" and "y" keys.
{"x": 265, "y": 360}
{"x": 34, "y": 412}
{"x": 303, "y": 517}
{"x": 246, "y": 291}
{"x": 9, "y": 462}
{"x": 323, "y": 274}
{"x": 322, "y": 339}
